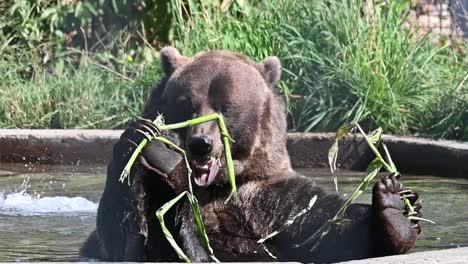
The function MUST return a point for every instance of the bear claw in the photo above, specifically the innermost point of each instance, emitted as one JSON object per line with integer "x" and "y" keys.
{"x": 150, "y": 124}
{"x": 146, "y": 128}
{"x": 389, "y": 192}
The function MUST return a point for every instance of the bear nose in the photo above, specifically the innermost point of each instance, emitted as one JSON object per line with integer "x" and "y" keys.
{"x": 200, "y": 146}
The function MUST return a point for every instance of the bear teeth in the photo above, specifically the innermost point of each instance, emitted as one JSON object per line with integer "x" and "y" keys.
{"x": 204, "y": 175}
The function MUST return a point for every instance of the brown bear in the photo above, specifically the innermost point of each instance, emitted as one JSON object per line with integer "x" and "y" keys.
{"x": 270, "y": 192}
{"x": 218, "y": 81}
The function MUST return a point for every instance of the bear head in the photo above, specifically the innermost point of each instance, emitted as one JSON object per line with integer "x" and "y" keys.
{"x": 244, "y": 92}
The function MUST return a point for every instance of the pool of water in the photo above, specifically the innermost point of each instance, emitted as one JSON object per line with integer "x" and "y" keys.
{"x": 46, "y": 212}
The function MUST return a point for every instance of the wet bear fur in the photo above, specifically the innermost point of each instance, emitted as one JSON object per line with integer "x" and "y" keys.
{"x": 126, "y": 225}
{"x": 270, "y": 192}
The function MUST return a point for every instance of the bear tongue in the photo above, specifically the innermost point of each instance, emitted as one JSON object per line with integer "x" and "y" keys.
{"x": 205, "y": 178}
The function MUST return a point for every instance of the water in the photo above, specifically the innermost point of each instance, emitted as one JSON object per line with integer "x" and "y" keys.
{"x": 46, "y": 212}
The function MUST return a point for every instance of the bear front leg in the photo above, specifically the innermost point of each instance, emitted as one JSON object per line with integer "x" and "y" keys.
{"x": 188, "y": 234}
{"x": 393, "y": 232}
{"x": 134, "y": 247}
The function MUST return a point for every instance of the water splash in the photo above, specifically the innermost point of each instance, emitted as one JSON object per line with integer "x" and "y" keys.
{"x": 20, "y": 202}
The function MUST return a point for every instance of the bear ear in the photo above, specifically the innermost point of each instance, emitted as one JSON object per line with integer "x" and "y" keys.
{"x": 171, "y": 59}
{"x": 272, "y": 70}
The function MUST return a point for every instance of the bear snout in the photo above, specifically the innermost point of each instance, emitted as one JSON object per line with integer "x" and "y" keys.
{"x": 205, "y": 164}
{"x": 200, "y": 147}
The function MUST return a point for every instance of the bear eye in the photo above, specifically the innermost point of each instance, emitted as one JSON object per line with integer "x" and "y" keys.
{"x": 181, "y": 100}
{"x": 182, "y": 108}
{"x": 225, "y": 110}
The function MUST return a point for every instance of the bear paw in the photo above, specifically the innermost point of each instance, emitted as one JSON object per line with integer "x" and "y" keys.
{"x": 389, "y": 193}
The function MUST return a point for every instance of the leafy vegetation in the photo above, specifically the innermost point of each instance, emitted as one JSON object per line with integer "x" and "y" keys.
{"x": 91, "y": 63}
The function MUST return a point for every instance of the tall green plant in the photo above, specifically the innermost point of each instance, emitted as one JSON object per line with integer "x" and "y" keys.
{"x": 447, "y": 115}
{"x": 361, "y": 63}
{"x": 234, "y": 27}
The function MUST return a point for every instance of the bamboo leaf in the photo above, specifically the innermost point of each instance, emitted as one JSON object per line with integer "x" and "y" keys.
{"x": 203, "y": 236}
{"x": 332, "y": 158}
{"x": 375, "y": 136}
{"x": 372, "y": 171}
{"x": 290, "y": 221}
{"x": 160, "y": 215}
{"x": 344, "y": 130}
{"x": 421, "y": 219}
{"x": 333, "y": 151}
{"x": 393, "y": 168}
{"x": 193, "y": 203}
{"x": 371, "y": 175}
{"x": 371, "y": 141}
{"x": 375, "y": 164}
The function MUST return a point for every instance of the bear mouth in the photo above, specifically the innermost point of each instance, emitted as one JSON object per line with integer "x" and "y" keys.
{"x": 205, "y": 174}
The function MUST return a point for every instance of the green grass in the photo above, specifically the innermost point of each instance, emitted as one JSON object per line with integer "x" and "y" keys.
{"x": 87, "y": 97}
{"x": 447, "y": 116}
{"x": 347, "y": 64}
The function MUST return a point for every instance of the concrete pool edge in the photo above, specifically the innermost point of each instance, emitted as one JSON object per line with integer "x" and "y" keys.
{"x": 446, "y": 256}
{"x": 307, "y": 150}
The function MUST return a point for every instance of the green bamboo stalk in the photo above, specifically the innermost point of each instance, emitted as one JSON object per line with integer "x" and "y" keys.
{"x": 226, "y": 142}
{"x": 189, "y": 123}
{"x": 374, "y": 149}
{"x": 373, "y": 170}
{"x": 187, "y": 164}
{"x": 227, "y": 154}
{"x": 195, "y": 209}
{"x": 192, "y": 199}
{"x": 390, "y": 166}
{"x": 126, "y": 171}
{"x": 200, "y": 226}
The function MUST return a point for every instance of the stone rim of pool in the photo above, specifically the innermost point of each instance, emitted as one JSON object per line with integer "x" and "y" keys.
{"x": 308, "y": 150}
